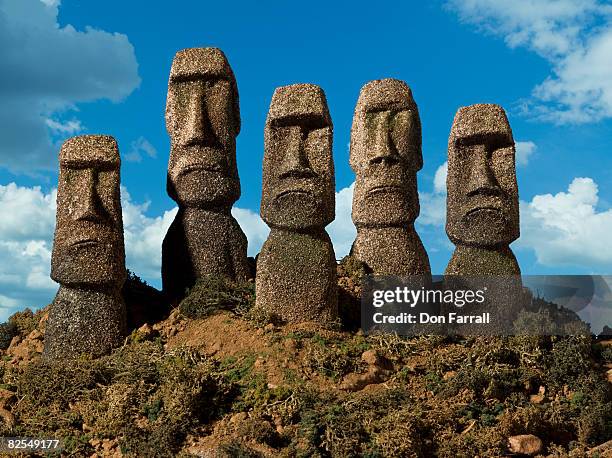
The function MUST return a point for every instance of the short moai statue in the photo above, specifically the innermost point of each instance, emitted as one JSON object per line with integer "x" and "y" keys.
{"x": 385, "y": 154}
{"x": 88, "y": 313}
{"x": 203, "y": 120}
{"x": 482, "y": 204}
{"x": 296, "y": 268}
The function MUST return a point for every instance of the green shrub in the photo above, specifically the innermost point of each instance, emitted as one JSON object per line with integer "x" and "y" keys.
{"x": 211, "y": 294}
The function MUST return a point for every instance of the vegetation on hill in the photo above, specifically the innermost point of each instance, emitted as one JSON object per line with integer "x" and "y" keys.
{"x": 212, "y": 378}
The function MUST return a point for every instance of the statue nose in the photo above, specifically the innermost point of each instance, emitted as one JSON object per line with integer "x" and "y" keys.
{"x": 88, "y": 205}
{"x": 482, "y": 179}
{"x": 295, "y": 163}
{"x": 197, "y": 129}
{"x": 383, "y": 149}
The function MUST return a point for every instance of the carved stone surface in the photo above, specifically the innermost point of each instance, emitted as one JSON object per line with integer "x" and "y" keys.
{"x": 385, "y": 154}
{"x": 88, "y": 258}
{"x": 203, "y": 120}
{"x": 200, "y": 242}
{"x": 84, "y": 321}
{"x": 296, "y": 269}
{"x": 296, "y": 277}
{"x": 482, "y": 203}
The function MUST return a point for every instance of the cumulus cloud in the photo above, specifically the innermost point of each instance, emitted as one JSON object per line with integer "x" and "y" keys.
{"x": 524, "y": 150}
{"x": 342, "y": 231}
{"x": 46, "y": 70}
{"x": 26, "y": 240}
{"x": 567, "y": 228}
{"x": 26, "y": 230}
{"x": 253, "y": 227}
{"x": 575, "y": 36}
{"x": 433, "y": 204}
{"x": 139, "y": 147}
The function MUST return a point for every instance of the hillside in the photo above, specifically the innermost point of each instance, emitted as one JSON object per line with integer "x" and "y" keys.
{"x": 212, "y": 380}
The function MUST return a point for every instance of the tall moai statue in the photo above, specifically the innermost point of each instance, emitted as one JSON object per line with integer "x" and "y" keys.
{"x": 385, "y": 154}
{"x": 296, "y": 268}
{"x": 88, "y": 260}
{"x": 203, "y": 120}
{"x": 482, "y": 204}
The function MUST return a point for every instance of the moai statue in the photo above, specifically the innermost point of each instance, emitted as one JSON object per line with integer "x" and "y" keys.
{"x": 482, "y": 205}
{"x": 296, "y": 268}
{"x": 203, "y": 120}
{"x": 385, "y": 154}
{"x": 88, "y": 261}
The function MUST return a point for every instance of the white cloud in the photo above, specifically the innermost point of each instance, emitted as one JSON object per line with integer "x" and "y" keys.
{"x": 567, "y": 229}
{"x": 143, "y": 237}
{"x": 67, "y": 127}
{"x": 433, "y": 204}
{"x": 26, "y": 231}
{"x": 253, "y": 227}
{"x": 524, "y": 150}
{"x": 575, "y": 36}
{"x": 47, "y": 69}
{"x": 138, "y": 147}
{"x": 342, "y": 231}
{"x": 440, "y": 178}
{"x": 26, "y": 239}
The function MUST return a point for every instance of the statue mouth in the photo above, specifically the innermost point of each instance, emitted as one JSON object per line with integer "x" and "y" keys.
{"x": 485, "y": 208}
{"x": 209, "y": 168}
{"x": 84, "y": 243}
{"x": 297, "y": 192}
{"x": 384, "y": 189}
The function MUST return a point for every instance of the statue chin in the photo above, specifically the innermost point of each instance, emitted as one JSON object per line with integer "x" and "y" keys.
{"x": 486, "y": 227}
{"x": 204, "y": 188}
{"x": 94, "y": 265}
{"x": 376, "y": 211}
{"x": 295, "y": 210}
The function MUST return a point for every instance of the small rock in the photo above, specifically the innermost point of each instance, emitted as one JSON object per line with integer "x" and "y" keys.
{"x": 215, "y": 348}
{"x": 269, "y": 327}
{"x": 14, "y": 342}
{"x": 357, "y": 382}
{"x": 7, "y": 417}
{"x": 35, "y": 335}
{"x": 147, "y": 332}
{"x": 272, "y": 386}
{"x": 373, "y": 358}
{"x": 448, "y": 375}
{"x": 370, "y": 357}
{"x": 538, "y": 398}
{"x": 6, "y": 396}
{"x": 290, "y": 344}
{"x": 526, "y": 444}
{"x": 238, "y": 417}
{"x": 95, "y": 442}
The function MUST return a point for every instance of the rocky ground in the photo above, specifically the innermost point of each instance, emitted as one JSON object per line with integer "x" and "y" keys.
{"x": 212, "y": 380}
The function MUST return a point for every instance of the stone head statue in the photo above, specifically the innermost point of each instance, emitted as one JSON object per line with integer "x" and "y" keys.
{"x": 482, "y": 203}
{"x": 385, "y": 154}
{"x": 203, "y": 120}
{"x": 298, "y": 170}
{"x": 88, "y": 248}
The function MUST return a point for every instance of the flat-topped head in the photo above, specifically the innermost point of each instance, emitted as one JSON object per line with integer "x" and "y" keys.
{"x": 203, "y": 120}
{"x": 298, "y": 171}
{"x": 482, "y": 203}
{"x": 88, "y": 246}
{"x": 385, "y": 153}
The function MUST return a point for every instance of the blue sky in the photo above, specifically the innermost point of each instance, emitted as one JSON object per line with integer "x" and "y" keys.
{"x": 102, "y": 67}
